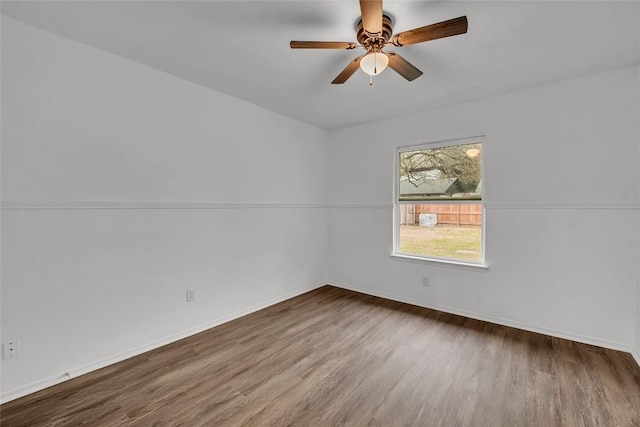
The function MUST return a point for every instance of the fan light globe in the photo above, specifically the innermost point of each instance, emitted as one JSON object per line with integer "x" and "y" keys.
{"x": 374, "y": 63}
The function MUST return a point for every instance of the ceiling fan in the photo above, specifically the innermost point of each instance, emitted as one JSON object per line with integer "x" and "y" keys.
{"x": 374, "y": 31}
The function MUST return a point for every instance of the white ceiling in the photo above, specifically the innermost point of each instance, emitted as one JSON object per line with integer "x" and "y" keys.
{"x": 242, "y": 48}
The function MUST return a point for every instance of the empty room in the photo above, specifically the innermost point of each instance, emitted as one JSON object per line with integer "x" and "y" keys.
{"x": 320, "y": 213}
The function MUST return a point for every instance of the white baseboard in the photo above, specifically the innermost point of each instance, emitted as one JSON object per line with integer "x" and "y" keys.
{"x": 504, "y": 322}
{"x": 21, "y": 391}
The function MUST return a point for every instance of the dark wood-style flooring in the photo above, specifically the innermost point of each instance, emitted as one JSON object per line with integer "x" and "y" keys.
{"x": 333, "y": 357}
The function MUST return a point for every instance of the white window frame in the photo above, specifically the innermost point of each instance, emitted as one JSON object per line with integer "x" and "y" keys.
{"x": 396, "y": 254}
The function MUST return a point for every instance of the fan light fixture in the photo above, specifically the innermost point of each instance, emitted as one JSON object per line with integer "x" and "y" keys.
{"x": 374, "y": 63}
{"x": 374, "y": 32}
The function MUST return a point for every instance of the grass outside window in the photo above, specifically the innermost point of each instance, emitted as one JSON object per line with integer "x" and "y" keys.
{"x": 442, "y": 241}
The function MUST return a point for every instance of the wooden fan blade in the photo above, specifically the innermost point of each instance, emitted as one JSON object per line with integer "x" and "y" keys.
{"x": 452, "y": 27}
{"x": 321, "y": 45}
{"x": 403, "y": 67}
{"x": 371, "y": 11}
{"x": 347, "y": 72}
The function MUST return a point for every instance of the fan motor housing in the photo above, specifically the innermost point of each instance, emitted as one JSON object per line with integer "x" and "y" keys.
{"x": 367, "y": 40}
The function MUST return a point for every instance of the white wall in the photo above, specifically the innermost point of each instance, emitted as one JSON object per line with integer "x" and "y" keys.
{"x": 122, "y": 187}
{"x": 562, "y": 195}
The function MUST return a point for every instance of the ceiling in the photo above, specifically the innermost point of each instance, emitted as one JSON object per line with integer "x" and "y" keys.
{"x": 242, "y": 48}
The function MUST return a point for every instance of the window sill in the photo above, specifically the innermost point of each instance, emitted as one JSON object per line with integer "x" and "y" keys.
{"x": 439, "y": 262}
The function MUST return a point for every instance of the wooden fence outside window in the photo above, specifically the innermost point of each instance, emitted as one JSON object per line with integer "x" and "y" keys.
{"x": 455, "y": 214}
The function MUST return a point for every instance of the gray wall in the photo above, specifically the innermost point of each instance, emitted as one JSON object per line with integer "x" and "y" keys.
{"x": 562, "y": 194}
{"x": 122, "y": 187}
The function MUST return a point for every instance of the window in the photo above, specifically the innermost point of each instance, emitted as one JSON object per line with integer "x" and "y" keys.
{"x": 438, "y": 209}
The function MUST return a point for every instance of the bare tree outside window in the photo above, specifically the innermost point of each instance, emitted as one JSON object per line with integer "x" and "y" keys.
{"x": 459, "y": 164}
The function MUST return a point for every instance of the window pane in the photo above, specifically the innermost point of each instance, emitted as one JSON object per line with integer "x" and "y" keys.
{"x": 453, "y": 172}
{"x": 451, "y": 231}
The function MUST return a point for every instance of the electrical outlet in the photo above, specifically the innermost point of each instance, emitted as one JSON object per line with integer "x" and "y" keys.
{"x": 425, "y": 281}
{"x": 10, "y": 349}
{"x": 191, "y": 295}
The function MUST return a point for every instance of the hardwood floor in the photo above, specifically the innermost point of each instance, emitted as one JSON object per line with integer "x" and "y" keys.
{"x": 335, "y": 357}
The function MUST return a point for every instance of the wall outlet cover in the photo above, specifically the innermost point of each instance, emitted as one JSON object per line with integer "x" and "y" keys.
{"x": 10, "y": 349}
